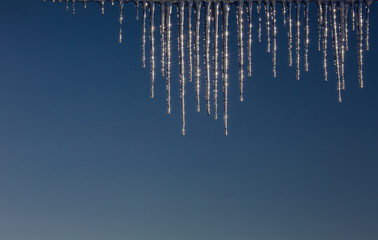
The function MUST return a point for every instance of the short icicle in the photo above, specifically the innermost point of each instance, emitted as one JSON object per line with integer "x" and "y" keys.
{"x": 284, "y": 7}
{"x": 226, "y": 10}
{"x": 137, "y": 9}
{"x": 152, "y": 47}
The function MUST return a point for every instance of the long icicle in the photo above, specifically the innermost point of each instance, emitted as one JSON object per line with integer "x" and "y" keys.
{"x": 368, "y": 3}
{"x": 342, "y": 41}
{"x": 121, "y": 5}
{"x": 325, "y": 40}
{"x": 239, "y": 16}
{"x": 144, "y": 34}
{"x": 152, "y": 47}
{"x": 320, "y": 23}
{"x": 335, "y": 41}
{"x": 307, "y": 32}
{"x": 250, "y": 10}
{"x": 290, "y": 35}
{"x": 267, "y": 14}
{"x": 260, "y": 19}
{"x": 216, "y": 53}
{"x": 181, "y": 11}
{"x": 190, "y": 40}
{"x": 360, "y": 49}
{"x": 207, "y": 26}
{"x": 226, "y": 10}
{"x": 162, "y": 36}
{"x": 274, "y": 38}
{"x": 168, "y": 53}
{"x": 197, "y": 52}
{"x": 297, "y": 38}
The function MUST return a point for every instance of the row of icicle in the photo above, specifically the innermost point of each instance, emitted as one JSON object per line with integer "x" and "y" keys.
{"x": 339, "y": 12}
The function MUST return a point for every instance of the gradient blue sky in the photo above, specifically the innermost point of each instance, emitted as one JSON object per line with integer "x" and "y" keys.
{"x": 86, "y": 155}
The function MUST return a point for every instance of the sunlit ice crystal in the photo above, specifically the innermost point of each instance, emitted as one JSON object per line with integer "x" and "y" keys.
{"x": 212, "y": 17}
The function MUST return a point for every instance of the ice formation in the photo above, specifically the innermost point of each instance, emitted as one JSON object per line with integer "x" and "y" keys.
{"x": 213, "y": 15}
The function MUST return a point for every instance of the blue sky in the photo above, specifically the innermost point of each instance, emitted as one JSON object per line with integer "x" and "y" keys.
{"x": 86, "y": 154}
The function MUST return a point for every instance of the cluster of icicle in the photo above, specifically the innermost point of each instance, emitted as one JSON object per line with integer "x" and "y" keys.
{"x": 332, "y": 22}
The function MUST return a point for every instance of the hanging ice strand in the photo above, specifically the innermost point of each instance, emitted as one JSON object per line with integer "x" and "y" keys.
{"x": 226, "y": 10}
{"x": 162, "y": 37}
{"x": 216, "y": 53}
{"x": 335, "y": 37}
{"x": 207, "y": 22}
{"x": 297, "y": 38}
{"x": 290, "y": 35}
{"x": 144, "y": 35}
{"x": 121, "y": 4}
{"x": 360, "y": 50}
{"x": 152, "y": 46}
{"x": 190, "y": 39}
{"x": 240, "y": 45}
{"x": 181, "y": 11}
{"x": 307, "y": 32}
{"x": 168, "y": 53}
{"x": 274, "y": 38}
{"x": 325, "y": 40}
{"x": 250, "y": 10}
{"x": 197, "y": 52}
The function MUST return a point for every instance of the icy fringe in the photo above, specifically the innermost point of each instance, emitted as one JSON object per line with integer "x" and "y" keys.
{"x": 333, "y": 19}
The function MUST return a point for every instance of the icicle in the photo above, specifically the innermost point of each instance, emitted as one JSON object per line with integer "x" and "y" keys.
{"x": 297, "y": 37}
{"x": 368, "y": 3}
{"x": 360, "y": 24}
{"x": 112, "y": 1}
{"x": 346, "y": 27}
{"x": 181, "y": 17}
{"x": 267, "y": 13}
{"x": 342, "y": 41}
{"x": 320, "y": 23}
{"x": 207, "y": 23}
{"x": 152, "y": 46}
{"x": 250, "y": 10}
{"x": 353, "y": 15}
{"x": 226, "y": 10}
{"x": 121, "y": 4}
{"x": 336, "y": 46}
{"x": 274, "y": 38}
{"x": 85, "y": 3}
{"x": 162, "y": 36}
{"x": 137, "y": 9}
{"x": 168, "y": 52}
{"x": 67, "y": 5}
{"x": 307, "y": 32}
{"x": 216, "y": 70}
{"x": 290, "y": 36}
{"x": 325, "y": 36}
{"x": 284, "y": 6}
{"x": 197, "y": 52}
{"x": 190, "y": 39}
{"x": 73, "y": 7}
{"x": 260, "y": 19}
{"x": 102, "y": 7}
{"x": 144, "y": 34}
{"x": 240, "y": 46}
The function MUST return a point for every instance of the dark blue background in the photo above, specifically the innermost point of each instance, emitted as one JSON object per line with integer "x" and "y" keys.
{"x": 85, "y": 154}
